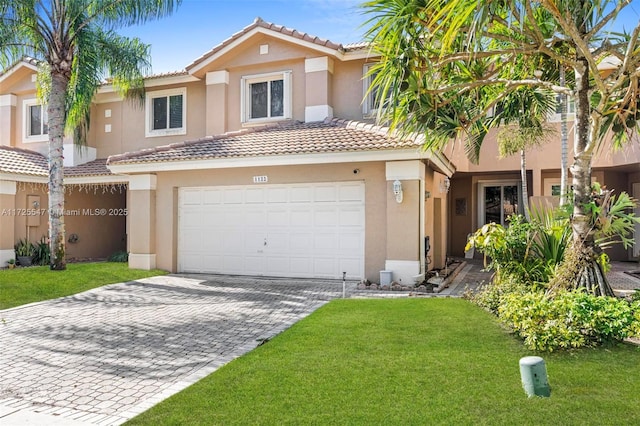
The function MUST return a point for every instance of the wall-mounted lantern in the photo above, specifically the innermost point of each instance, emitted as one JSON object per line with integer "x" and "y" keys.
{"x": 397, "y": 191}
{"x": 445, "y": 184}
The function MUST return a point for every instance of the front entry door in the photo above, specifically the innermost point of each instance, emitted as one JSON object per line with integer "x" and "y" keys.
{"x": 498, "y": 201}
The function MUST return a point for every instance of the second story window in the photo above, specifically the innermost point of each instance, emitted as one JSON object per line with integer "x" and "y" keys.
{"x": 166, "y": 112}
{"x": 266, "y": 97}
{"x": 36, "y": 127}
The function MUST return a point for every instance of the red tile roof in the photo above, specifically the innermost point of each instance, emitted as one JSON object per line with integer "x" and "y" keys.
{"x": 290, "y": 138}
{"x": 24, "y": 162}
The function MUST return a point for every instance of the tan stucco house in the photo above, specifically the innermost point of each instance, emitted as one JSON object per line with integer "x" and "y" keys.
{"x": 260, "y": 158}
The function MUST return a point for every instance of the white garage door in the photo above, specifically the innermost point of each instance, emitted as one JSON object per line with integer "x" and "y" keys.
{"x": 299, "y": 230}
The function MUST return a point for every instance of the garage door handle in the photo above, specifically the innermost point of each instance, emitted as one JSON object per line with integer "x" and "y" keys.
{"x": 265, "y": 241}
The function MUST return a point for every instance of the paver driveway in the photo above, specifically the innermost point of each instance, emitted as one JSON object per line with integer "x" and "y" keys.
{"x": 103, "y": 356}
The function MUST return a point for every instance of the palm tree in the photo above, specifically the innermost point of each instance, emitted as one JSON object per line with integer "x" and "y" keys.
{"x": 77, "y": 46}
{"x": 445, "y": 64}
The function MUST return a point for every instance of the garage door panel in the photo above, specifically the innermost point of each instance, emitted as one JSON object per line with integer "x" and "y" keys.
{"x": 278, "y": 218}
{"x": 351, "y": 192}
{"x": 311, "y": 230}
{"x": 350, "y": 242}
{"x": 325, "y": 242}
{"x": 211, "y": 197}
{"x": 325, "y": 267}
{"x": 254, "y": 195}
{"x": 325, "y": 193}
{"x": 233, "y": 196}
{"x": 301, "y": 218}
{"x": 352, "y": 267}
{"x": 350, "y": 217}
{"x": 191, "y": 197}
{"x": 326, "y": 216}
{"x": 301, "y": 194}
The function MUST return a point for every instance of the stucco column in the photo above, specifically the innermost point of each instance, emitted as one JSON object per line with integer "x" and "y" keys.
{"x": 405, "y": 220}
{"x": 7, "y": 218}
{"x": 7, "y": 117}
{"x": 217, "y": 92}
{"x": 318, "y": 102}
{"x": 142, "y": 221}
{"x": 537, "y": 189}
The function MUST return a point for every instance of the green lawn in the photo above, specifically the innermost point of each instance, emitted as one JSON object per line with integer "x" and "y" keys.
{"x": 25, "y": 285}
{"x": 402, "y": 362}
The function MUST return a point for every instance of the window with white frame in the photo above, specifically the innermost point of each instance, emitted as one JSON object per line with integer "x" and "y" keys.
{"x": 369, "y": 107}
{"x": 35, "y": 119}
{"x": 166, "y": 112}
{"x": 571, "y": 109}
{"x": 266, "y": 97}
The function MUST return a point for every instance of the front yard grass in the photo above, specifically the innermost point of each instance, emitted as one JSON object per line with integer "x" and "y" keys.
{"x": 26, "y": 285}
{"x": 406, "y": 361}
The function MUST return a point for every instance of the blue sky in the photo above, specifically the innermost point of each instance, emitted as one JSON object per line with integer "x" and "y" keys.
{"x": 199, "y": 25}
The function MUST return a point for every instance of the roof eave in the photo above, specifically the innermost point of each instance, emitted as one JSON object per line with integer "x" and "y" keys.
{"x": 279, "y": 160}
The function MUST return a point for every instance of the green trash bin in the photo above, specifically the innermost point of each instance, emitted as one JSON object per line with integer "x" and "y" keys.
{"x": 534, "y": 376}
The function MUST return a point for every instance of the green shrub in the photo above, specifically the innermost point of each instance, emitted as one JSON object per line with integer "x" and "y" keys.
{"x": 489, "y": 295}
{"x": 568, "y": 320}
{"x": 119, "y": 256}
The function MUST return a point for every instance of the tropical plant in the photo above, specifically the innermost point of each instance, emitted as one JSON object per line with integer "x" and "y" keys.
{"x": 41, "y": 253}
{"x": 445, "y": 65}
{"x": 24, "y": 248}
{"x": 77, "y": 48}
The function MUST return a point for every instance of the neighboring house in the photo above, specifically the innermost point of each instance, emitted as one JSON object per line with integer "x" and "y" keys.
{"x": 261, "y": 158}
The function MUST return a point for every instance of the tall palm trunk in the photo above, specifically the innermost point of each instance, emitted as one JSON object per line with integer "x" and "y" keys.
{"x": 56, "y": 110}
{"x": 563, "y": 142}
{"x": 525, "y": 191}
{"x": 591, "y": 276}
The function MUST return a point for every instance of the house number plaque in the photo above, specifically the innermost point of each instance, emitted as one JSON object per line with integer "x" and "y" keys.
{"x": 260, "y": 179}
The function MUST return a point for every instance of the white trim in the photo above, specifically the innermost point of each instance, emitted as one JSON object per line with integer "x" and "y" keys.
{"x": 317, "y": 113}
{"x": 154, "y": 81}
{"x": 5, "y": 255}
{"x": 275, "y": 160}
{"x": 26, "y": 115}
{"x": 194, "y": 68}
{"x": 23, "y": 178}
{"x": 83, "y": 180}
{"x": 217, "y": 77}
{"x": 143, "y": 182}
{"x": 142, "y": 261}
{"x": 16, "y": 67}
{"x": 404, "y": 271}
{"x": 405, "y": 170}
{"x": 149, "y": 132}
{"x": 322, "y": 63}
{"x": 367, "y": 97}
{"x": 245, "y": 93}
{"x": 8, "y": 100}
{"x": 80, "y": 180}
{"x": 8, "y": 187}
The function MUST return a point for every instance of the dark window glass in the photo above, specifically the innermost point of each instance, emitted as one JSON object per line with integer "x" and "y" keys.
{"x": 175, "y": 112}
{"x": 277, "y": 98}
{"x": 492, "y": 199}
{"x": 159, "y": 113}
{"x": 259, "y": 100}
{"x": 35, "y": 124}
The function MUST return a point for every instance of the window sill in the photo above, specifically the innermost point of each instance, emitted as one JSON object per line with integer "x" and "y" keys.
{"x": 160, "y": 133}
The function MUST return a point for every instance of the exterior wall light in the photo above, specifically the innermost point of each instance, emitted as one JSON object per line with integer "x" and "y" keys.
{"x": 397, "y": 191}
{"x": 445, "y": 184}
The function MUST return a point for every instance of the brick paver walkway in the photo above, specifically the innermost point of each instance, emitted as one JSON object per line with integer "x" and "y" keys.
{"x": 103, "y": 356}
